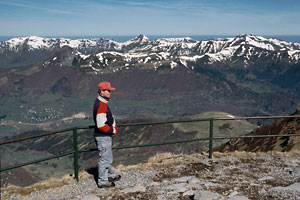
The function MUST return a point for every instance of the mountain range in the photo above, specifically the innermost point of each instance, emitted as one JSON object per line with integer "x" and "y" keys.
{"x": 43, "y": 80}
{"x": 242, "y": 48}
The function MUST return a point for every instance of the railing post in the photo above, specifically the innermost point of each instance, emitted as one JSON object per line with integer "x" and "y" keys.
{"x": 75, "y": 147}
{"x": 211, "y": 125}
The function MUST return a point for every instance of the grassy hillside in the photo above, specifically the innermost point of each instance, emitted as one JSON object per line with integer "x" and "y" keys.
{"x": 279, "y": 127}
{"x": 220, "y": 128}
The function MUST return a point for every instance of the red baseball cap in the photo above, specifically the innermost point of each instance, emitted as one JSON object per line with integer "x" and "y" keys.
{"x": 105, "y": 86}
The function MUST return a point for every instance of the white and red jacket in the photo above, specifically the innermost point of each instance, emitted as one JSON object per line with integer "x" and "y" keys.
{"x": 104, "y": 121}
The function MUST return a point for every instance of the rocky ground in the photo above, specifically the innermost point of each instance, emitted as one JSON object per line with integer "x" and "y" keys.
{"x": 234, "y": 176}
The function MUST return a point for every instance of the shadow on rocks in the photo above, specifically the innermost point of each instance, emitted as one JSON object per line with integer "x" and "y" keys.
{"x": 93, "y": 171}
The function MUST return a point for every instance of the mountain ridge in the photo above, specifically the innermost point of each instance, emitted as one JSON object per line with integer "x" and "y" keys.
{"x": 218, "y": 49}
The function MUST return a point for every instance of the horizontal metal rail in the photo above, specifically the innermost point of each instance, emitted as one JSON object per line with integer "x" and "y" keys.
{"x": 147, "y": 145}
{"x": 199, "y": 120}
{"x": 258, "y": 117}
{"x": 210, "y": 138}
{"x": 146, "y": 124}
{"x": 150, "y": 145}
{"x": 37, "y": 161}
{"x": 34, "y": 136}
{"x": 255, "y": 136}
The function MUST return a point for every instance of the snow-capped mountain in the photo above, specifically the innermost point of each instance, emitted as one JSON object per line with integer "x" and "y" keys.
{"x": 243, "y": 74}
{"x": 244, "y": 49}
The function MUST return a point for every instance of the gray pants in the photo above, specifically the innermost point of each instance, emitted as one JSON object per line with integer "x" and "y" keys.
{"x": 105, "y": 169}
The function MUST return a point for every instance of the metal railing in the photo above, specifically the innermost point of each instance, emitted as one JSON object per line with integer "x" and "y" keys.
{"x": 76, "y": 151}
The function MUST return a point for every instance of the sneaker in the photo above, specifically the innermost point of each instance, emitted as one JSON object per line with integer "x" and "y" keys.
{"x": 116, "y": 178}
{"x": 107, "y": 185}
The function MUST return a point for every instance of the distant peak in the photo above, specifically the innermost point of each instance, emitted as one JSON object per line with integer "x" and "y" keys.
{"x": 25, "y": 38}
{"x": 141, "y": 38}
{"x": 250, "y": 36}
{"x": 245, "y": 36}
{"x": 34, "y": 37}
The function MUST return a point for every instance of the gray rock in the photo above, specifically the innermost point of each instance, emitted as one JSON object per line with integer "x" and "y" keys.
{"x": 154, "y": 184}
{"x": 289, "y": 192}
{"x": 90, "y": 197}
{"x": 168, "y": 196}
{"x": 234, "y": 193}
{"x": 293, "y": 188}
{"x": 137, "y": 188}
{"x": 179, "y": 187}
{"x": 207, "y": 195}
{"x": 237, "y": 197}
{"x": 191, "y": 180}
{"x": 184, "y": 179}
{"x": 188, "y": 193}
{"x": 295, "y": 172}
{"x": 194, "y": 180}
{"x": 210, "y": 184}
{"x": 195, "y": 186}
{"x": 266, "y": 178}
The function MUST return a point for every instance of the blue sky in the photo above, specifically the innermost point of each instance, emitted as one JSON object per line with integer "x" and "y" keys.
{"x": 149, "y": 17}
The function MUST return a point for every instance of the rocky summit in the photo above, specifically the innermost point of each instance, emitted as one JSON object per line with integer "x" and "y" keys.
{"x": 233, "y": 176}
